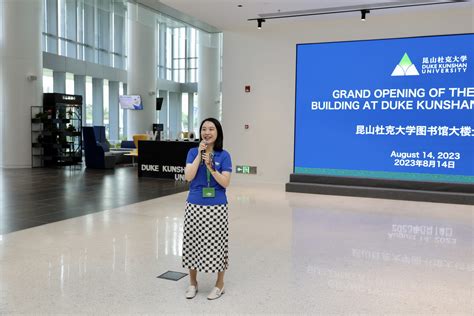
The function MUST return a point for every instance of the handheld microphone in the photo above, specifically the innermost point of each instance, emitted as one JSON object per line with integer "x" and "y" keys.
{"x": 202, "y": 154}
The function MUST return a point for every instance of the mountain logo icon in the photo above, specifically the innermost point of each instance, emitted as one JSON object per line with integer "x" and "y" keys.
{"x": 405, "y": 68}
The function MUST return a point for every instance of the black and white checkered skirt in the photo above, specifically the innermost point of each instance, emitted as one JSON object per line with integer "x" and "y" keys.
{"x": 206, "y": 237}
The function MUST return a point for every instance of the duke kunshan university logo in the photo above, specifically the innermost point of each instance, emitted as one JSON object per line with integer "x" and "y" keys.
{"x": 434, "y": 65}
{"x": 405, "y": 68}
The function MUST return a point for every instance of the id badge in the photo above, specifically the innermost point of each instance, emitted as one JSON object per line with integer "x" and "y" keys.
{"x": 208, "y": 192}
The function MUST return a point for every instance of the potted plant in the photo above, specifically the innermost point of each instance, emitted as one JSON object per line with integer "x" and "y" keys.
{"x": 70, "y": 128}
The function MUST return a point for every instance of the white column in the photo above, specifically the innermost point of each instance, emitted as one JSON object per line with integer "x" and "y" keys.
{"x": 71, "y": 30}
{"x": 114, "y": 110}
{"x": 174, "y": 114}
{"x": 125, "y": 114}
{"x": 162, "y": 57}
{"x": 52, "y": 26}
{"x": 208, "y": 76}
{"x": 141, "y": 78}
{"x": 88, "y": 30}
{"x": 80, "y": 89}
{"x": 20, "y": 60}
{"x": 97, "y": 102}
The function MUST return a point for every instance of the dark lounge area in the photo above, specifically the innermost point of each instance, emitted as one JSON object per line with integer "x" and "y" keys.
{"x": 38, "y": 196}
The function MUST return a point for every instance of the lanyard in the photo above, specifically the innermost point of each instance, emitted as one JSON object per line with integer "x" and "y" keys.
{"x": 208, "y": 176}
{"x": 208, "y": 173}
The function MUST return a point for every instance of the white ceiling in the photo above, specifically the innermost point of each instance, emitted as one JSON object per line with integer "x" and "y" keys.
{"x": 226, "y": 15}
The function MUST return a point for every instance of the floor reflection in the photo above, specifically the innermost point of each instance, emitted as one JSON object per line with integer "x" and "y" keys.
{"x": 289, "y": 253}
{"x": 403, "y": 263}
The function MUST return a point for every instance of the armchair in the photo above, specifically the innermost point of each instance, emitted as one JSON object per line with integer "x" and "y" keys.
{"x": 96, "y": 148}
{"x": 136, "y": 138}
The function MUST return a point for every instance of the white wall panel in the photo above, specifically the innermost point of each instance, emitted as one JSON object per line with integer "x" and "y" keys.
{"x": 265, "y": 59}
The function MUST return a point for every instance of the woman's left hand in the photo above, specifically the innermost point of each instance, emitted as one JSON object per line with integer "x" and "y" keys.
{"x": 207, "y": 160}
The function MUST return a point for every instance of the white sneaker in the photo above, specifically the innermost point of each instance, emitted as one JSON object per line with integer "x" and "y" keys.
{"x": 191, "y": 291}
{"x": 215, "y": 293}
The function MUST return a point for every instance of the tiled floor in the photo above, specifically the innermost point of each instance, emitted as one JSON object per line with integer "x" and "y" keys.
{"x": 290, "y": 253}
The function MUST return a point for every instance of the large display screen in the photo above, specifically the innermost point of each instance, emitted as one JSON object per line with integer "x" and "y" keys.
{"x": 393, "y": 109}
{"x": 130, "y": 102}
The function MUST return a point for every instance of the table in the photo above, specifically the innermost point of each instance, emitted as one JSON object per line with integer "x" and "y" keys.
{"x": 133, "y": 155}
{"x": 163, "y": 159}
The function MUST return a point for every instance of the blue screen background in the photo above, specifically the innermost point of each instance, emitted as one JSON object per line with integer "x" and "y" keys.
{"x": 325, "y": 141}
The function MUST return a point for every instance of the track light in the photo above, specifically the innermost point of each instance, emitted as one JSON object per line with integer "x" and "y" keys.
{"x": 347, "y": 9}
{"x": 363, "y": 14}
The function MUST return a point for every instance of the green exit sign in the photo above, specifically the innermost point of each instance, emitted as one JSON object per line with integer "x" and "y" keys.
{"x": 246, "y": 169}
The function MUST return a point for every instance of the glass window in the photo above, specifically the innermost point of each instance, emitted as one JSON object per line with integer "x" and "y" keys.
{"x": 91, "y": 30}
{"x": 192, "y": 55}
{"x": 179, "y": 54}
{"x": 121, "y": 116}
{"x": 177, "y": 49}
{"x": 70, "y": 30}
{"x": 182, "y": 54}
{"x": 103, "y": 32}
{"x": 119, "y": 33}
{"x": 184, "y": 111}
{"x": 50, "y": 26}
{"x": 80, "y": 30}
{"x": 61, "y": 26}
{"x": 169, "y": 53}
{"x": 196, "y": 109}
{"x": 106, "y": 108}
{"x": 161, "y": 49}
{"x": 89, "y": 101}
{"x": 48, "y": 82}
{"x": 69, "y": 83}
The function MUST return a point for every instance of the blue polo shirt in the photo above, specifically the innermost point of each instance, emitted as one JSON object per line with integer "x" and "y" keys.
{"x": 222, "y": 162}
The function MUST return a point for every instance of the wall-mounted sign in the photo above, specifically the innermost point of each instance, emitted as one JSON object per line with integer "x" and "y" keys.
{"x": 246, "y": 169}
{"x": 163, "y": 159}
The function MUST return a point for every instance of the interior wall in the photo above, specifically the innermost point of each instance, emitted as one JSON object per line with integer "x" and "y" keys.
{"x": 20, "y": 79}
{"x": 265, "y": 60}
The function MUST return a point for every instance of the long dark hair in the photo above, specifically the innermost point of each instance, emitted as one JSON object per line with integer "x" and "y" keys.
{"x": 218, "y": 145}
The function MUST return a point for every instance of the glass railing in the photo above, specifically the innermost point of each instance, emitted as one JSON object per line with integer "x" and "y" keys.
{"x": 66, "y": 47}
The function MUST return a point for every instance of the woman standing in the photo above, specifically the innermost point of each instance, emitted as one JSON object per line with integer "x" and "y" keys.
{"x": 205, "y": 242}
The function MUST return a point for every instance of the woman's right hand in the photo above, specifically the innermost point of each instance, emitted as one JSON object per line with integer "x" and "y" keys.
{"x": 202, "y": 146}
